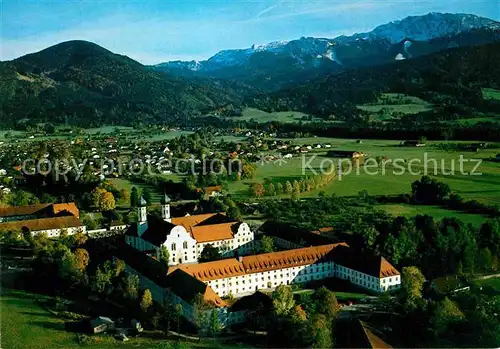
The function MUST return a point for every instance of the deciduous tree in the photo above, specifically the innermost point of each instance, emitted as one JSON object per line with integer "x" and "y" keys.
{"x": 146, "y": 300}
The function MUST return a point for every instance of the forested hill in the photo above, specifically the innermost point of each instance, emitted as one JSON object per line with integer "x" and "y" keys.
{"x": 450, "y": 79}
{"x": 82, "y": 83}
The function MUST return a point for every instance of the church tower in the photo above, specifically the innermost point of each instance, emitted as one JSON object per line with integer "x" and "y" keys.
{"x": 165, "y": 208}
{"x": 141, "y": 211}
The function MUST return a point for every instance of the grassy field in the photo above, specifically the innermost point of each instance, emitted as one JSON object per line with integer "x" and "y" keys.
{"x": 122, "y": 183}
{"x": 25, "y": 325}
{"x": 491, "y": 93}
{"x": 262, "y": 116}
{"x": 435, "y": 211}
{"x": 484, "y": 187}
{"x": 491, "y": 286}
{"x": 390, "y": 103}
{"x": 473, "y": 121}
{"x": 108, "y": 129}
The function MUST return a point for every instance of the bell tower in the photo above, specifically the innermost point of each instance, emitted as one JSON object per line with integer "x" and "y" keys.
{"x": 141, "y": 210}
{"x": 165, "y": 208}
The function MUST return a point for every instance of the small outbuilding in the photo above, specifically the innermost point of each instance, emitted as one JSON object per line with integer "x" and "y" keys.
{"x": 101, "y": 324}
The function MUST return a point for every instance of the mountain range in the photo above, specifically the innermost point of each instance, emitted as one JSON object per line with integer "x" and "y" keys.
{"x": 81, "y": 83}
{"x": 278, "y": 64}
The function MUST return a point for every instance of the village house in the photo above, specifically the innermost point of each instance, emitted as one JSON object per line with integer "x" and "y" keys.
{"x": 346, "y": 154}
{"x": 186, "y": 237}
{"x": 211, "y": 191}
{"x": 42, "y": 218}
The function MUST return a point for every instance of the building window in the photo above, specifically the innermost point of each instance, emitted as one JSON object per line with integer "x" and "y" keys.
{"x": 185, "y": 244}
{"x": 173, "y": 247}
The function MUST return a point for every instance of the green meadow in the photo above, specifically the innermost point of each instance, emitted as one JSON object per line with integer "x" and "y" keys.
{"x": 442, "y": 164}
{"x": 26, "y": 325}
{"x": 436, "y": 212}
{"x": 491, "y": 93}
{"x": 391, "y": 103}
{"x": 263, "y": 117}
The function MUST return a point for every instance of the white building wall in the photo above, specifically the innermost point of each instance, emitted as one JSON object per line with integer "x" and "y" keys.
{"x": 246, "y": 284}
{"x": 52, "y": 233}
{"x": 181, "y": 246}
{"x": 369, "y": 282}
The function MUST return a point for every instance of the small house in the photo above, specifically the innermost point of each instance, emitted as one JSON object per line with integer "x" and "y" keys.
{"x": 346, "y": 154}
{"x": 412, "y": 144}
{"x": 101, "y": 324}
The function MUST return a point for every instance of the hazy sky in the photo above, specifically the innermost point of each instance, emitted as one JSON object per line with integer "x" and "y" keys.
{"x": 154, "y": 31}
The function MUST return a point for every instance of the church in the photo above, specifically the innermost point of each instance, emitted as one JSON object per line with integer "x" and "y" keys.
{"x": 186, "y": 237}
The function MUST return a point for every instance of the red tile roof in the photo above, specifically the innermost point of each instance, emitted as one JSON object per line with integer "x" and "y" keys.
{"x": 69, "y": 207}
{"x": 22, "y": 210}
{"x": 213, "y": 232}
{"x": 190, "y": 221}
{"x": 40, "y": 209}
{"x": 258, "y": 263}
{"x": 42, "y": 224}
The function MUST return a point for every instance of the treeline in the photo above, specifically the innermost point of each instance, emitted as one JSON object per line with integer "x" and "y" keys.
{"x": 293, "y": 188}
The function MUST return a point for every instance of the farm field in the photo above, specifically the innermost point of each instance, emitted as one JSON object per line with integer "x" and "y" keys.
{"x": 435, "y": 211}
{"x": 262, "y": 116}
{"x": 491, "y": 93}
{"x": 484, "y": 187}
{"x": 390, "y": 103}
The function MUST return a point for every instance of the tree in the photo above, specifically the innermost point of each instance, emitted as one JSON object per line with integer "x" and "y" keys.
{"x": 134, "y": 197}
{"x": 119, "y": 267}
{"x": 257, "y": 189}
{"x": 146, "y": 194}
{"x": 200, "y": 306}
{"x": 164, "y": 255}
{"x": 283, "y": 301}
{"x": 101, "y": 282}
{"x": 429, "y": 190}
{"x": 103, "y": 200}
{"x": 214, "y": 325}
{"x": 79, "y": 238}
{"x": 81, "y": 259}
{"x": 233, "y": 212}
{"x": 271, "y": 190}
{"x": 146, "y": 300}
{"x": 320, "y": 330}
{"x": 129, "y": 286}
{"x": 446, "y": 314}
{"x": 68, "y": 267}
{"x": 326, "y": 302}
{"x": 412, "y": 284}
{"x": 288, "y": 187}
{"x": 485, "y": 260}
{"x": 279, "y": 188}
{"x": 209, "y": 253}
{"x": 267, "y": 244}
